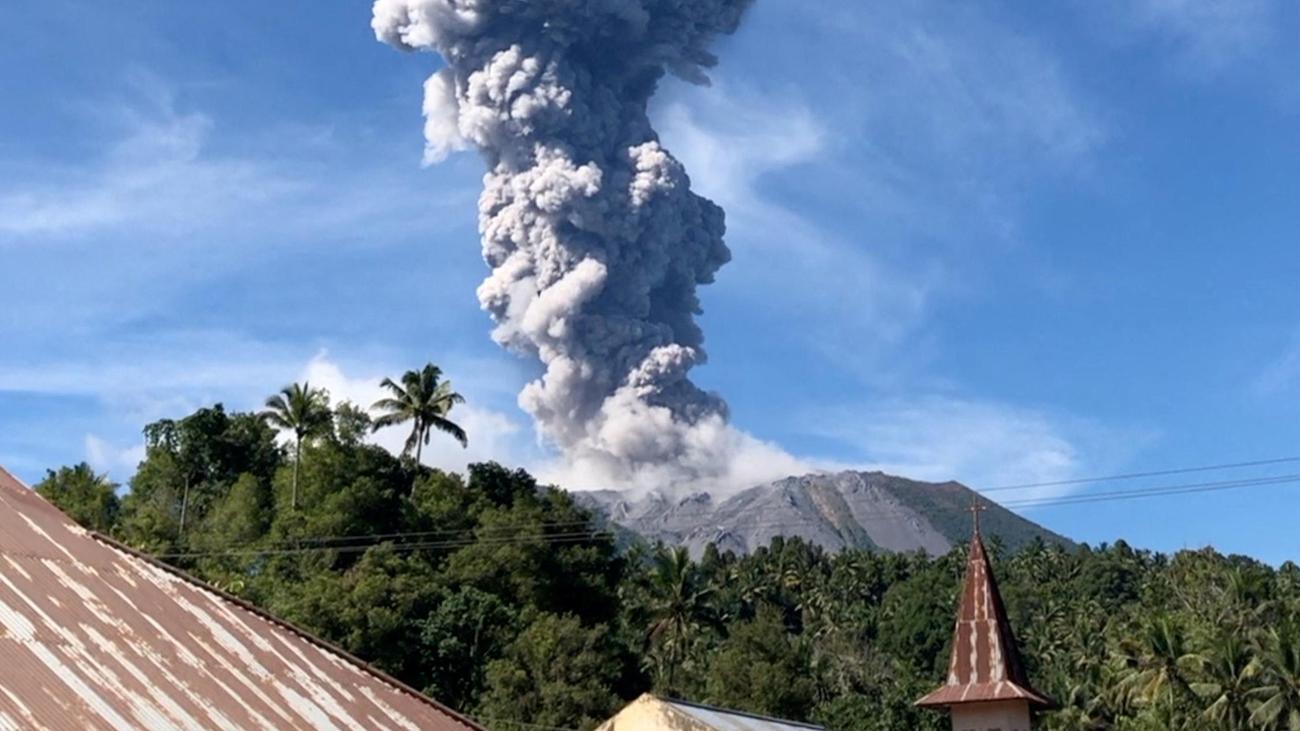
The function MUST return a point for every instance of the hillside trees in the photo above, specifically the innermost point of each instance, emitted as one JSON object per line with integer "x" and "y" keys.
{"x": 88, "y": 498}
{"x": 190, "y": 464}
{"x": 1277, "y": 697}
{"x": 557, "y": 672}
{"x": 762, "y": 667}
{"x": 303, "y": 411}
{"x": 677, "y": 605}
{"x": 504, "y": 599}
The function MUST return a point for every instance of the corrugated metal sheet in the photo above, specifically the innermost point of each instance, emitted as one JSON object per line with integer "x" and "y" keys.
{"x": 93, "y": 636}
{"x": 721, "y": 719}
{"x": 985, "y": 663}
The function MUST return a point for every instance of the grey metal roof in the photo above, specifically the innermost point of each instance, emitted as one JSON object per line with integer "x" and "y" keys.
{"x": 723, "y": 719}
{"x": 94, "y": 636}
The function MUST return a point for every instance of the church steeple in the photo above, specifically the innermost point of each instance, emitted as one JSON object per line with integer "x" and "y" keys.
{"x": 985, "y": 673}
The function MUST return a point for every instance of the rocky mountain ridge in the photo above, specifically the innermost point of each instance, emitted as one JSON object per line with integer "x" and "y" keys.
{"x": 869, "y": 510}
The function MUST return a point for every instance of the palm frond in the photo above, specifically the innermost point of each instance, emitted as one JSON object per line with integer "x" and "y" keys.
{"x": 423, "y": 398}
{"x": 391, "y": 386}
{"x": 387, "y": 420}
{"x": 390, "y": 404}
{"x": 448, "y": 427}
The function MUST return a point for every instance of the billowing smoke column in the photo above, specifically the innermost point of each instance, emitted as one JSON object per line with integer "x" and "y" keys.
{"x": 595, "y": 240}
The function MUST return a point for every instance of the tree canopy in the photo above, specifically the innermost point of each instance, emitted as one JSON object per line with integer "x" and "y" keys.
{"x": 88, "y": 498}
{"x": 504, "y": 599}
{"x": 304, "y": 412}
{"x": 424, "y": 399}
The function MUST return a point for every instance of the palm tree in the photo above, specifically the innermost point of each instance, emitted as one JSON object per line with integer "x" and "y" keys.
{"x": 303, "y": 410}
{"x": 1279, "y": 697}
{"x": 1229, "y": 670}
{"x": 423, "y": 399}
{"x": 1158, "y": 667}
{"x": 678, "y": 605}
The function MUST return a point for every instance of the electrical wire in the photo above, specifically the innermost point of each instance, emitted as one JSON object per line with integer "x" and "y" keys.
{"x": 1153, "y": 492}
{"x": 575, "y": 537}
{"x": 326, "y": 542}
{"x": 571, "y": 537}
{"x": 522, "y": 724}
{"x": 1138, "y": 475}
{"x": 478, "y": 530}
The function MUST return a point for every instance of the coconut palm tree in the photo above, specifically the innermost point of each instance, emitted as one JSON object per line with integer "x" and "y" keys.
{"x": 303, "y": 410}
{"x": 423, "y": 399}
{"x": 678, "y": 606}
{"x": 1229, "y": 670}
{"x": 1158, "y": 666}
{"x": 1278, "y": 698}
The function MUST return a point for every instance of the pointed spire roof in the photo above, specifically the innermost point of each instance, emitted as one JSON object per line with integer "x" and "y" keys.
{"x": 985, "y": 664}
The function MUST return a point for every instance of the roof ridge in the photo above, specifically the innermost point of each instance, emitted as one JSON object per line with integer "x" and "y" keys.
{"x": 734, "y": 712}
{"x": 12, "y": 478}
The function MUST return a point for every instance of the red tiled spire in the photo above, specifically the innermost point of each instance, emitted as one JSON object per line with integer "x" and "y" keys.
{"x": 985, "y": 664}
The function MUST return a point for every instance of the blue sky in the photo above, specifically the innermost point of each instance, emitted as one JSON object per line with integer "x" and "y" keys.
{"x": 997, "y": 242}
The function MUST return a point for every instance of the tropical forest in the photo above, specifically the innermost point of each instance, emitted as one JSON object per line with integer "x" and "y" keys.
{"x": 505, "y": 600}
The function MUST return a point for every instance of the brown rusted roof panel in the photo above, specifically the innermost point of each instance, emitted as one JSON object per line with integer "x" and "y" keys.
{"x": 985, "y": 663}
{"x": 95, "y": 637}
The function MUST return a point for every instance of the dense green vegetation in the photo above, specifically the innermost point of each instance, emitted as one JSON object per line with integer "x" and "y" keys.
{"x": 505, "y": 600}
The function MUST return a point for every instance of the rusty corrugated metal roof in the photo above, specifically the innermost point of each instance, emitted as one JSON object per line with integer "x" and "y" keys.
{"x": 985, "y": 663}
{"x": 94, "y": 636}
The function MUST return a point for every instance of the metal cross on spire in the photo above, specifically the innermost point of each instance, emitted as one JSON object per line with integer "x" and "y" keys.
{"x": 985, "y": 665}
{"x": 975, "y": 509}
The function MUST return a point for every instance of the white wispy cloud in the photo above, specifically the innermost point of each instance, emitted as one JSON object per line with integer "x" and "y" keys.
{"x": 1205, "y": 36}
{"x": 153, "y": 177}
{"x": 118, "y": 462}
{"x": 173, "y": 201}
{"x": 493, "y": 435}
{"x": 159, "y": 365}
{"x": 1281, "y": 374}
{"x": 788, "y": 259}
{"x": 856, "y": 203}
{"x": 243, "y": 374}
{"x": 730, "y": 139}
{"x": 981, "y": 443}
{"x": 957, "y": 109}
{"x": 170, "y": 172}
{"x": 170, "y": 373}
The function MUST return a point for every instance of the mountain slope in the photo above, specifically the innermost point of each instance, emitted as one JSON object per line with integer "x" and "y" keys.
{"x": 869, "y": 510}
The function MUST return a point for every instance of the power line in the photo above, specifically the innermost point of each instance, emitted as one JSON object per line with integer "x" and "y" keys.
{"x": 472, "y": 534}
{"x": 576, "y": 537}
{"x": 1138, "y": 475}
{"x": 486, "y": 535}
{"x": 475, "y": 531}
{"x": 1028, "y": 502}
{"x": 573, "y": 537}
{"x": 1154, "y": 491}
{"x": 523, "y": 724}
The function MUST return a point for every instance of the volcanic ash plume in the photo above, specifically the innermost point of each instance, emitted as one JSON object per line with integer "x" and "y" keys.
{"x": 595, "y": 240}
